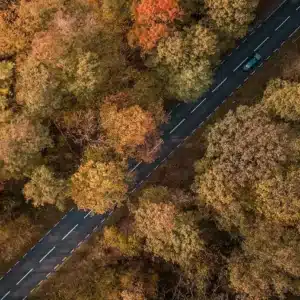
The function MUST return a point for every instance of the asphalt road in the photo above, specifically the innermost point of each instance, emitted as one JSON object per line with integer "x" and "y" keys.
{"x": 76, "y": 226}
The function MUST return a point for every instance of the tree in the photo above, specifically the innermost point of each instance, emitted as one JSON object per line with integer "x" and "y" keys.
{"x": 172, "y": 234}
{"x": 186, "y": 60}
{"x": 22, "y": 140}
{"x": 282, "y": 98}
{"x": 269, "y": 263}
{"x": 44, "y": 188}
{"x": 152, "y": 21}
{"x": 128, "y": 129}
{"x": 128, "y": 245}
{"x": 231, "y": 17}
{"x": 99, "y": 186}
{"x": 243, "y": 148}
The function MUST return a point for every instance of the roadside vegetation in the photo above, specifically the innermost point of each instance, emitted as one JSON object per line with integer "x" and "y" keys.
{"x": 83, "y": 88}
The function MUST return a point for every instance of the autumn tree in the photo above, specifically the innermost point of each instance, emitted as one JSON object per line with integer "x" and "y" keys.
{"x": 22, "y": 141}
{"x": 185, "y": 59}
{"x": 243, "y": 149}
{"x": 129, "y": 245}
{"x": 268, "y": 264}
{"x": 129, "y": 130}
{"x": 44, "y": 188}
{"x": 172, "y": 234}
{"x": 282, "y": 98}
{"x": 231, "y": 17}
{"x": 99, "y": 186}
{"x": 153, "y": 20}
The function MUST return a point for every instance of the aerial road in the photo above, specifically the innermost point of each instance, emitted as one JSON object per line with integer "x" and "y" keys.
{"x": 76, "y": 226}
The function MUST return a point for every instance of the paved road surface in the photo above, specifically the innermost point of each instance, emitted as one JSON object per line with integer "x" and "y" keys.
{"x": 76, "y": 226}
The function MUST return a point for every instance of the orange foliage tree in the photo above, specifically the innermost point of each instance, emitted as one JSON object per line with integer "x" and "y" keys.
{"x": 152, "y": 21}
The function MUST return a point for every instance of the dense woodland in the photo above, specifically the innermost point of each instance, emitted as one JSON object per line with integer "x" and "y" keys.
{"x": 84, "y": 87}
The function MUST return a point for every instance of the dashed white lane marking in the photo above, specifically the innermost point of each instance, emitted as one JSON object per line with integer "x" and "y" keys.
{"x": 240, "y": 64}
{"x": 282, "y": 43}
{"x": 1, "y": 278}
{"x": 46, "y": 254}
{"x": 246, "y": 79}
{"x": 24, "y": 298}
{"x": 135, "y": 167}
{"x": 244, "y": 40}
{"x": 177, "y": 125}
{"x": 16, "y": 263}
{"x": 268, "y": 57}
{"x": 8, "y": 270}
{"x": 24, "y": 276}
{"x": 252, "y": 32}
{"x": 149, "y": 174}
{"x": 260, "y": 65}
{"x": 64, "y": 258}
{"x": 87, "y": 214}
{"x": 231, "y": 94}
{"x": 69, "y": 232}
{"x": 198, "y": 105}
{"x": 48, "y": 274}
{"x": 276, "y": 50}
{"x": 56, "y": 267}
{"x": 222, "y": 62}
{"x": 238, "y": 86}
{"x": 160, "y": 142}
{"x": 294, "y": 31}
{"x": 273, "y": 12}
{"x": 230, "y": 54}
{"x": 259, "y": 25}
{"x": 252, "y": 73}
{"x": 71, "y": 209}
{"x": 87, "y": 236}
{"x": 298, "y": 8}
{"x": 177, "y": 104}
{"x": 48, "y": 232}
{"x": 261, "y": 43}
{"x": 5, "y": 295}
{"x": 282, "y": 23}
{"x": 219, "y": 85}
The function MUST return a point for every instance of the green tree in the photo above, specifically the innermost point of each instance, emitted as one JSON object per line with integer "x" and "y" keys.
{"x": 243, "y": 149}
{"x": 186, "y": 60}
{"x": 44, "y": 188}
{"x": 282, "y": 98}
{"x": 99, "y": 186}
{"x": 231, "y": 17}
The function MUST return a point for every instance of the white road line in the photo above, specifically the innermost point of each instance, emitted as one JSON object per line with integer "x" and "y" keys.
{"x": 259, "y": 25}
{"x": 16, "y": 263}
{"x": 261, "y": 44}
{"x": 231, "y": 94}
{"x": 222, "y": 62}
{"x": 8, "y": 270}
{"x": 56, "y": 224}
{"x": 253, "y": 72}
{"x": 268, "y": 57}
{"x": 48, "y": 232}
{"x": 216, "y": 108}
{"x": 238, "y": 86}
{"x": 219, "y": 85}
{"x": 209, "y": 115}
{"x": 48, "y": 275}
{"x": 244, "y": 40}
{"x": 230, "y": 54}
{"x": 24, "y": 298}
{"x": 298, "y": 8}
{"x": 177, "y": 125}
{"x": 275, "y": 10}
{"x": 102, "y": 221}
{"x": 238, "y": 47}
{"x": 276, "y": 50}
{"x": 282, "y": 43}
{"x": 282, "y": 23}
{"x": 240, "y": 64}
{"x": 179, "y": 145}
{"x": 260, "y": 65}
{"x": 5, "y": 295}
{"x": 135, "y": 167}
{"x": 56, "y": 267}
{"x": 69, "y": 232}
{"x": 197, "y": 105}
{"x": 149, "y": 174}
{"x": 32, "y": 248}
{"x": 71, "y": 209}
{"x": 177, "y": 104}
{"x": 194, "y": 131}
{"x": 46, "y": 254}
{"x": 252, "y": 32}
{"x": 200, "y": 124}
{"x": 41, "y": 239}
{"x": 156, "y": 167}
{"x": 157, "y": 146}
{"x": 87, "y": 214}
{"x": 169, "y": 114}
{"x": 87, "y": 236}
{"x": 1, "y": 278}
{"x": 64, "y": 258}
{"x": 294, "y": 31}
{"x": 24, "y": 276}
{"x": 163, "y": 160}
{"x": 246, "y": 79}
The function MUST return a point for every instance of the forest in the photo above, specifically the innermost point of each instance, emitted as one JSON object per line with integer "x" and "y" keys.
{"x": 84, "y": 87}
